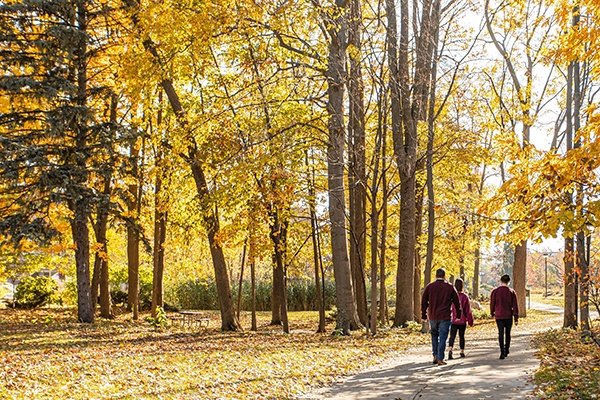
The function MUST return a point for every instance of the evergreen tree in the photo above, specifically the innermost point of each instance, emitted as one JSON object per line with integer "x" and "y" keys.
{"x": 54, "y": 140}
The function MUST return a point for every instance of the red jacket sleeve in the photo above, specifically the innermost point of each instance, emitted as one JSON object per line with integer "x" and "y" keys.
{"x": 492, "y": 302}
{"x": 456, "y": 302}
{"x": 467, "y": 311}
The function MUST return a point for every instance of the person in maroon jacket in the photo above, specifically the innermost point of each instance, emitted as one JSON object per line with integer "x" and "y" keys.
{"x": 504, "y": 307}
{"x": 437, "y": 299}
{"x": 459, "y": 324}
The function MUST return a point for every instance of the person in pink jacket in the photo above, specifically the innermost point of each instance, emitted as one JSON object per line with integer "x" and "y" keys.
{"x": 460, "y": 324}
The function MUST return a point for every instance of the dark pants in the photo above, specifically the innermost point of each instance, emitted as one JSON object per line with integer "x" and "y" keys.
{"x": 461, "y": 335}
{"x": 504, "y": 327}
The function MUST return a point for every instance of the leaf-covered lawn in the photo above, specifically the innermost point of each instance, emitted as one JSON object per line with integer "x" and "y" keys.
{"x": 554, "y": 299}
{"x": 45, "y": 354}
{"x": 570, "y": 365}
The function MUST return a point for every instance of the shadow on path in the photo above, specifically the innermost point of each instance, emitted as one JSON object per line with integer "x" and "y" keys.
{"x": 481, "y": 375}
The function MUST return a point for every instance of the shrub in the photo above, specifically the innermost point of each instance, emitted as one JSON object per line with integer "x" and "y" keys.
{"x": 413, "y": 326}
{"x": 301, "y": 295}
{"x": 201, "y": 294}
{"x": 35, "y": 292}
{"x": 196, "y": 295}
{"x": 484, "y": 313}
{"x": 145, "y": 289}
{"x": 160, "y": 321}
{"x": 119, "y": 297}
{"x": 68, "y": 296}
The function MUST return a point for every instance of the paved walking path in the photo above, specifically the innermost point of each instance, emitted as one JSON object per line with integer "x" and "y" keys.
{"x": 481, "y": 375}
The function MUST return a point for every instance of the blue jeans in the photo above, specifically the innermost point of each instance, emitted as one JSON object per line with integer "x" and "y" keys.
{"x": 439, "y": 334}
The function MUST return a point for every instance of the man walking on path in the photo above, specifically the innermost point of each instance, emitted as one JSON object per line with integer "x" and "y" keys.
{"x": 436, "y": 303}
{"x": 504, "y": 307}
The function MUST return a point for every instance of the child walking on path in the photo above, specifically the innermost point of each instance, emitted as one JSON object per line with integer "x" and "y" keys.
{"x": 459, "y": 322}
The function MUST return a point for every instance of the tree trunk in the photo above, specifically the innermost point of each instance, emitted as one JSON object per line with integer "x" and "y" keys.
{"x": 476, "y": 255}
{"x": 158, "y": 255}
{"x": 239, "y": 299}
{"x": 345, "y": 301}
{"x": 253, "y": 293}
{"x": 100, "y": 230}
{"x": 395, "y": 78}
{"x": 383, "y": 302}
{"x": 519, "y": 278}
{"x": 417, "y": 277}
{"x": 582, "y": 266}
{"x": 102, "y": 260}
{"x": 133, "y": 263}
{"x": 582, "y": 261}
{"x": 314, "y": 233}
{"x": 570, "y": 276}
{"x": 278, "y": 236}
{"x": 357, "y": 171}
{"x": 374, "y": 227}
{"x": 284, "y": 310}
{"x": 375, "y": 213}
{"x": 160, "y": 224}
{"x": 520, "y": 262}
{"x": 406, "y": 252}
{"x": 318, "y": 287}
{"x": 105, "y": 299}
{"x": 570, "y": 312}
{"x": 229, "y": 322}
{"x": 133, "y": 239}
{"x": 80, "y": 232}
{"x": 430, "y": 203}
{"x": 80, "y": 206}
{"x": 95, "y": 287}
{"x": 276, "y": 289}
{"x": 431, "y": 117}
{"x": 408, "y": 106}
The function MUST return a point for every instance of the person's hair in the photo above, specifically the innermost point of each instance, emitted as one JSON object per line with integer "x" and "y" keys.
{"x": 505, "y": 279}
{"x": 459, "y": 284}
{"x": 440, "y": 273}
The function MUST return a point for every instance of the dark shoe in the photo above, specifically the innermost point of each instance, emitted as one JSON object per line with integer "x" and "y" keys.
{"x": 435, "y": 360}
{"x": 506, "y": 352}
{"x": 450, "y": 356}
{"x": 441, "y": 362}
{"x": 462, "y": 354}
{"x": 502, "y": 356}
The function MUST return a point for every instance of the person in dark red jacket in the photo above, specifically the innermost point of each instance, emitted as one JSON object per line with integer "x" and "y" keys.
{"x": 459, "y": 324}
{"x": 504, "y": 307}
{"x": 437, "y": 299}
